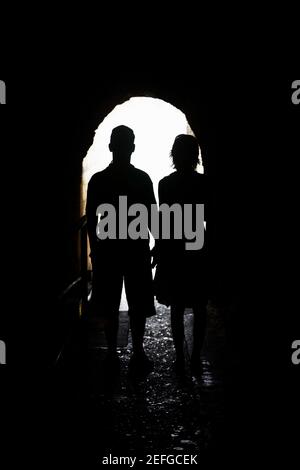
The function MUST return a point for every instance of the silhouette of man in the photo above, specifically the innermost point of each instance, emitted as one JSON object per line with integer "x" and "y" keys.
{"x": 115, "y": 260}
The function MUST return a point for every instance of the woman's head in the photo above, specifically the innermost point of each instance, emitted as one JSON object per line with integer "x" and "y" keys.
{"x": 185, "y": 152}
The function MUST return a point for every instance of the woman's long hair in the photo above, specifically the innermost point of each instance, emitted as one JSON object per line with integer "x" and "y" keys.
{"x": 185, "y": 152}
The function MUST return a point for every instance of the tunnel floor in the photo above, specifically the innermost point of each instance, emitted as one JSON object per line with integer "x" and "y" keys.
{"x": 163, "y": 414}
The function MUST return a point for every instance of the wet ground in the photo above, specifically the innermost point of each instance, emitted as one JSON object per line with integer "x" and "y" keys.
{"x": 79, "y": 412}
{"x": 161, "y": 414}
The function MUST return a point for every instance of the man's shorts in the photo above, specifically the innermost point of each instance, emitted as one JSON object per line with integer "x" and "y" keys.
{"x": 110, "y": 268}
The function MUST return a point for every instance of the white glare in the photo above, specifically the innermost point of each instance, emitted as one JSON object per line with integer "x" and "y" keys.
{"x": 155, "y": 124}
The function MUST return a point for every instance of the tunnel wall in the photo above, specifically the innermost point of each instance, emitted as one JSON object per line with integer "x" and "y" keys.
{"x": 54, "y": 138}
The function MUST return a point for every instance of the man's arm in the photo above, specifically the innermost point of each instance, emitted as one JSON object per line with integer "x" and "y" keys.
{"x": 91, "y": 214}
{"x": 156, "y": 249}
{"x": 151, "y": 204}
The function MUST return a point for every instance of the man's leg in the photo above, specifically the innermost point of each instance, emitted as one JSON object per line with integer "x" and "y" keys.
{"x": 140, "y": 365}
{"x": 199, "y": 330}
{"x": 111, "y": 326}
{"x": 137, "y": 326}
{"x": 138, "y": 286}
{"x": 135, "y": 306}
{"x": 112, "y": 290}
{"x": 177, "y": 325}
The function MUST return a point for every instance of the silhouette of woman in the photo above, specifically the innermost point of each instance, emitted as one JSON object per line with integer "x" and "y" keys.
{"x": 180, "y": 280}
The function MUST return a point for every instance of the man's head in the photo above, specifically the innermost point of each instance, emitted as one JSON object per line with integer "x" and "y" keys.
{"x": 122, "y": 144}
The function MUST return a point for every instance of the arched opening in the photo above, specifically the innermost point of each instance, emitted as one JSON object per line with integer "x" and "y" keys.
{"x": 119, "y": 408}
{"x": 155, "y": 123}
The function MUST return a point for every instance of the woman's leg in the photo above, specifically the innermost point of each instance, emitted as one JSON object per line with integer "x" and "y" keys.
{"x": 177, "y": 325}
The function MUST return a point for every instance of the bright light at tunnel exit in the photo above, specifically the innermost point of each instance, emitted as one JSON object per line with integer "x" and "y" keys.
{"x": 155, "y": 123}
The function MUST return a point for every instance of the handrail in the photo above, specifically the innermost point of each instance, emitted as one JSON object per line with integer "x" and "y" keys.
{"x": 83, "y": 278}
{"x": 83, "y": 263}
{"x": 82, "y": 222}
{"x": 70, "y": 288}
{"x": 81, "y": 281}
